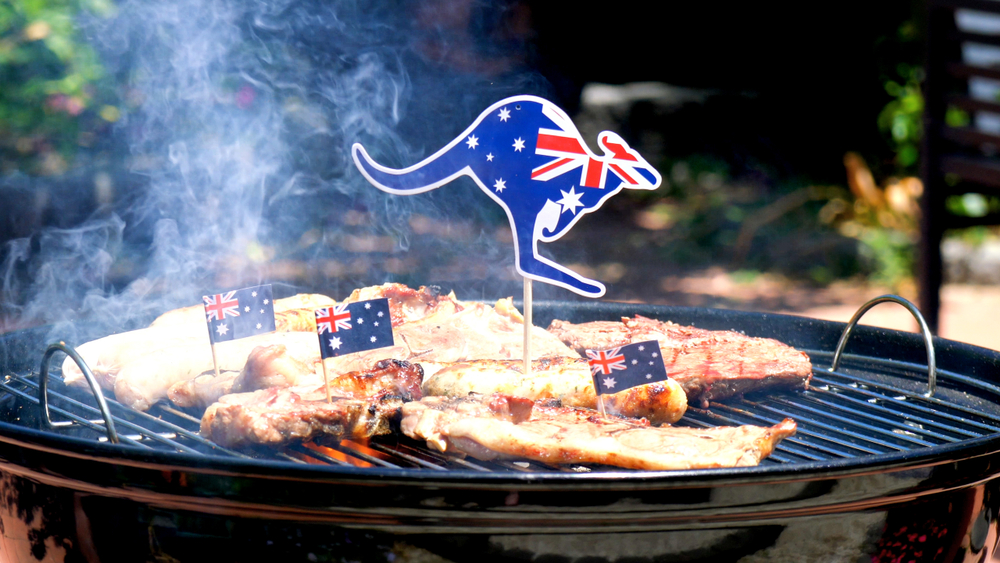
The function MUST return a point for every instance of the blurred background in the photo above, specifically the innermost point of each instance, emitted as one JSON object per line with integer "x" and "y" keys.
{"x": 152, "y": 152}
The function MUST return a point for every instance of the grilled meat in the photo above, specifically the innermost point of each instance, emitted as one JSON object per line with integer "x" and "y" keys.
{"x": 202, "y": 390}
{"x": 364, "y": 405}
{"x": 567, "y": 379}
{"x": 708, "y": 364}
{"x": 453, "y": 331}
{"x": 147, "y": 378}
{"x": 142, "y": 366}
{"x": 405, "y": 303}
{"x": 179, "y": 329}
{"x": 483, "y": 427}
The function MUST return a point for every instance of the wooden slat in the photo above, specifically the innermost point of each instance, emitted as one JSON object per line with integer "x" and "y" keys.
{"x": 970, "y": 137}
{"x": 978, "y": 5}
{"x": 973, "y": 105}
{"x": 975, "y": 170}
{"x": 960, "y": 70}
{"x": 960, "y": 222}
{"x": 971, "y": 37}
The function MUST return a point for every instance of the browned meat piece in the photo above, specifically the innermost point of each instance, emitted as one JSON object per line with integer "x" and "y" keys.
{"x": 146, "y": 379}
{"x": 395, "y": 377}
{"x": 476, "y": 425}
{"x": 567, "y": 379}
{"x": 176, "y": 332}
{"x": 708, "y": 364}
{"x": 146, "y": 365}
{"x": 364, "y": 405}
{"x": 453, "y": 331}
{"x": 202, "y": 390}
{"x": 477, "y": 331}
{"x": 405, "y": 303}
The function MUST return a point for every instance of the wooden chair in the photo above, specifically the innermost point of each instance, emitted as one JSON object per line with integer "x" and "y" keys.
{"x": 957, "y": 160}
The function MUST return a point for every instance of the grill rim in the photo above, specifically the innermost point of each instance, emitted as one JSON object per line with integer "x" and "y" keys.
{"x": 238, "y": 467}
{"x": 790, "y": 329}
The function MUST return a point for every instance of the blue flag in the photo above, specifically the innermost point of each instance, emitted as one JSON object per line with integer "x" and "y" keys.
{"x": 627, "y": 366}
{"x": 354, "y": 327}
{"x": 239, "y": 313}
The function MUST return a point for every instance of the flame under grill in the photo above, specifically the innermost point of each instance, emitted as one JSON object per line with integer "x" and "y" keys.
{"x": 868, "y": 407}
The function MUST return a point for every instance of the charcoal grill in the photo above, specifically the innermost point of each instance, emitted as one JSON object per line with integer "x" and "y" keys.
{"x": 880, "y": 455}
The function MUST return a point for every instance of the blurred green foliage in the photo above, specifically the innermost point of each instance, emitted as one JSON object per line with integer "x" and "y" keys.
{"x": 55, "y": 96}
{"x": 902, "y": 118}
{"x": 898, "y": 55}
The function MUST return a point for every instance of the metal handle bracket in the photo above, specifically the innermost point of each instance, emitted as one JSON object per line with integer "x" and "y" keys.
{"x": 43, "y": 386}
{"x": 924, "y": 329}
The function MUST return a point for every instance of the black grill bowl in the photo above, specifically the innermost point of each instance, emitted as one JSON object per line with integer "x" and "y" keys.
{"x": 875, "y": 473}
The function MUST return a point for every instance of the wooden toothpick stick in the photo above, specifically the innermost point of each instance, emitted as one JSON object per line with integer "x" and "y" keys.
{"x": 326, "y": 381}
{"x": 600, "y": 406}
{"x": 215, "y": 363}
{"x": 527, "y": 326}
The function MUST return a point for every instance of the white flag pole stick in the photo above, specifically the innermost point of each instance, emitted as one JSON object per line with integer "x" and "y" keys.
{"x": 215, "y": 363}
{"x": 527, "y": 327}
{"x": 326, "y": 381}
{"x": 597, "y": 392}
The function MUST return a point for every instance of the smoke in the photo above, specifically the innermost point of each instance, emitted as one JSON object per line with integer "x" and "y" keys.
{"x": 236, "y": 133}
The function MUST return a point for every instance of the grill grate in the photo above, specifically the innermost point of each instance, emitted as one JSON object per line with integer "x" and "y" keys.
{"x": 871, "y": 410}
{"x": 860, "y": 407}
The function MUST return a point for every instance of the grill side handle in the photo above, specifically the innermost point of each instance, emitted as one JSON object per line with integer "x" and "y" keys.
{"x": 43, "y": 386}
{"x": 924, "y": 329}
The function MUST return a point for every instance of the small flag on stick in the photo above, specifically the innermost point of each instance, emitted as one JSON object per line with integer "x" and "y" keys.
{"x": 352, "y": 327}
{"x": 625, "y": 367}
{"x": 238, "y": 314}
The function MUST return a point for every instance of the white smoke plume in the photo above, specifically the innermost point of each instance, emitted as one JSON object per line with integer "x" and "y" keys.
{"x": 238, "y": 124}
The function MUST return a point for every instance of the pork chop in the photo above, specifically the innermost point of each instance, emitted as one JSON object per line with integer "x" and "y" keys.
{"x": 365, "y": 404}
{"x": 484, "y": 427}
{"x": 708, "y": 364}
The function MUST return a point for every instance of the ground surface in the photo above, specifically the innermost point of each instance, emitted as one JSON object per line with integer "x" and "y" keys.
{"x": 969, "y": 313}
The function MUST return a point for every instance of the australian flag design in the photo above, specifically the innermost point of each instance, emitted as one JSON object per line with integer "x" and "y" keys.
{"x": 239, "y": 313}
{"x": 626, "y": 366}
{"x": 353, "y": 327}
{"x": 526, "y": 154}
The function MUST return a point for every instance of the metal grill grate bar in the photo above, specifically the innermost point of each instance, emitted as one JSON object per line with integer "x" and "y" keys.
{"x": 798, "y": 438}
{"x": 869, "y": 408}
{"x": 146, "y": 432}
{"x": 818, "y": 414}
{"x": 861, "y": 437}
{"x": 403, "y": 455}
{"x": 937, "y": 413}
{"x": 808, "y": 429}
{"x": 840, "y": 416}
{"x": 99, "y": 428}
{"x": 914, "y": 403}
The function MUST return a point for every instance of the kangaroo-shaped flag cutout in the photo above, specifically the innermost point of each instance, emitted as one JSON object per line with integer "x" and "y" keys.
{"x": 527, "y": 155}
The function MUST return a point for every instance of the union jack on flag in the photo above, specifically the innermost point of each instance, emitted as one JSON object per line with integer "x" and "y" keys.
{"x": 627, "y": 366}
{"x": 330, "y": 319}
{"x": 239, "y": 313}
{"x": 605, "y": 361}
{"x": 221, "y": 305}
{"x": 569, "y": 153}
